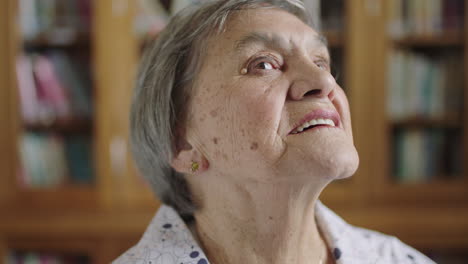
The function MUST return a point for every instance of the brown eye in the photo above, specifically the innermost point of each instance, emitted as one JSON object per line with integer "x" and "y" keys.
{"x": 265, "y": 66}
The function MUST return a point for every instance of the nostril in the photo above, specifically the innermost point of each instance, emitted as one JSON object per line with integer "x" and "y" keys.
{"x": 313, "y": 92}
{"x": 331, "y": 95}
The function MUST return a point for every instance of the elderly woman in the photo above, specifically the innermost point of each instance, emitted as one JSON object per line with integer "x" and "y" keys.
{"x": 239, "y": 125}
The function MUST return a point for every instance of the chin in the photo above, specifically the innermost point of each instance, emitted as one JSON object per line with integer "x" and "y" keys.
{"x": 339, "y": 164}
{"x": 349, "y": 164}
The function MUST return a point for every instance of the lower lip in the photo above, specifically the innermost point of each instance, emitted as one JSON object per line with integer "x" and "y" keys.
{"x": 315, "y": 128}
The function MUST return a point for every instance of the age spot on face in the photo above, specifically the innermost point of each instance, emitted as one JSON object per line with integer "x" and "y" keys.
{"x": 254, "y": 146}
{"x": 215, "y": 140}
{"x": 213, "y": 113}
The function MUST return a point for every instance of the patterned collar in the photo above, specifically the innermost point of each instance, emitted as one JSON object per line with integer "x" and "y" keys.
{"x": 168, "y": 240}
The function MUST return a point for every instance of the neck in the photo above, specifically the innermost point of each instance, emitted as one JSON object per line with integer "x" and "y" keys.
{"x": 271, "y": 224}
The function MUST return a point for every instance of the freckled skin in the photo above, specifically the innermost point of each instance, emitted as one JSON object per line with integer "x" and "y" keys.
{"x": 260, "y": 178}
{"x": 254, "y": 146}
{"x": 241, "y": 109}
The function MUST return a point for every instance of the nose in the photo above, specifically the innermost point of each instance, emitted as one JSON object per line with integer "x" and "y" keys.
{"x": 309, "y": 80}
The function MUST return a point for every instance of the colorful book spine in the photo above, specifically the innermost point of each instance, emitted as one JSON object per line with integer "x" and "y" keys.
{"x": 420, "y": 86}
{"x": 27, "y": 89}
{"x": 54, "y": 20}
{"x": 32, "y": 257}
{"x": 424, "y": 17}
{"x": 422, "y": 155}
{"x": 52, "y": 87}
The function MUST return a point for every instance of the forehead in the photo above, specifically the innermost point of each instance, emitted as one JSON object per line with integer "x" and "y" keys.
{"x": 270, "y": 27}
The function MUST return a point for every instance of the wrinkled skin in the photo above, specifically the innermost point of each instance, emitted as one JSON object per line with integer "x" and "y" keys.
{"x": 258, "y": 183}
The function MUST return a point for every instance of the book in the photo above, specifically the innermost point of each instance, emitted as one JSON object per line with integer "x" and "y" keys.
{"x": 79, "y": 159}
{"x": 43, "y": 160}
{"x": 421, "y": 86}
{"x": 30, "y": 106}
{"x": 28, "y": 20}
{"x": 424, "y": 17}
{"x": 74, "y": 84}
{"x": 426, "y": 154}
{"x": 55, "y": 21}
{"x": 51, "y": 89}
{"x": 33, "y": 257}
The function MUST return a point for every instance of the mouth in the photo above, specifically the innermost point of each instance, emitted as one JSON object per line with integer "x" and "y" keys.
{"x": 316, "y": 119}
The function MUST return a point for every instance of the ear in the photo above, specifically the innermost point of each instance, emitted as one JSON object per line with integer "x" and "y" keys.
{"x": 185, "y": 157}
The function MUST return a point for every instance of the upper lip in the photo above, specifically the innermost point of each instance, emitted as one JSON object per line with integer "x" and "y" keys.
{"x": 319, "y": 114}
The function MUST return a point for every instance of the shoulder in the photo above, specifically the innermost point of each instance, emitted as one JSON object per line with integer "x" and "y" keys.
{"x": 387, "y": 249}
{"x": 352, "y": 244}
{"x": 167, "y": 240}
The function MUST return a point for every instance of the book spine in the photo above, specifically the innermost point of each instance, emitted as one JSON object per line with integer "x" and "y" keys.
{"x": 53, "y": 92}
{"x": 27, "y": 89}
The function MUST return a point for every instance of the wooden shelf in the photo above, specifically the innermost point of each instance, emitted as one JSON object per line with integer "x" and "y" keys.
{"x": 455, "y": 39}
{"x": 427, "y": 122}
{"x": 63, "y": 125}
{"x": 46, "y": 230}
{"x": 69, "y": 196}
{"x": 78, "y": 40}
{"x": 435, "y": 180}
{"x": 424, "y": 193}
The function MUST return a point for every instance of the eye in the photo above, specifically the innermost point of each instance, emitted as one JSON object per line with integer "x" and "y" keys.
{"x": 263, "y": 65}
{"x": 322, "y": 64}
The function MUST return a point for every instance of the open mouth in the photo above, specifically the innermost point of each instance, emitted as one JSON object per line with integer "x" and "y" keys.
{"x": 316, "y": 119}
{"x": 313, "y": 124}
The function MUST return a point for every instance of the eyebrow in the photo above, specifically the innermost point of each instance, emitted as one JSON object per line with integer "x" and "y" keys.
{"x": 271, "y": 40}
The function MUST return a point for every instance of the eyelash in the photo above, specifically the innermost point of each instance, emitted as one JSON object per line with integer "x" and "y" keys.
{"x": 251, "y": 67}
{"x": 324, "y": 63}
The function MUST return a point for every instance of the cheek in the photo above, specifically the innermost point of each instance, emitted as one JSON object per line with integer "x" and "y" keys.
{"x": 237, "y": 120}
{"x": 259, "y": 110}
{"x": 343, "y": 107}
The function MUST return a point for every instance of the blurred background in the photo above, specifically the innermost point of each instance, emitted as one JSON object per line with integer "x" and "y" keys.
{"x": 69, "y": 190}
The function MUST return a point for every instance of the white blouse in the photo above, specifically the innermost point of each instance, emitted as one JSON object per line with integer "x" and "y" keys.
{"x": 167, "y": 240}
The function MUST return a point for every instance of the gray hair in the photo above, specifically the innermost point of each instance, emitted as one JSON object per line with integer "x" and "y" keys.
{"x": 163, "y": 88}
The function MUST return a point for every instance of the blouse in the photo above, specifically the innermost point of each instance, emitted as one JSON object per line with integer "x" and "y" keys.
{"x": 168, "y": 240}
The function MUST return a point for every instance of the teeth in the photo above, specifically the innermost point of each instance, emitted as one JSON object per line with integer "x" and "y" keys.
{"x": 314, "y": 122}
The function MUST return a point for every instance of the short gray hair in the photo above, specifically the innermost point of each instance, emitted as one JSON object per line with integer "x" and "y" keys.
{"x": 163, "y": 88}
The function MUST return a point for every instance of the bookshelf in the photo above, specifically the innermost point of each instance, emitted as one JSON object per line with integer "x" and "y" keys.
{"x": 333, "y": 15}
{"x": 346, "y": 53}
{"x": 92, "y": 221}
{"x": 54, "y": 93}
{"x": 424, "y": 145}
{"x": 454, "y": 39}
{"x": 101, "y": 219}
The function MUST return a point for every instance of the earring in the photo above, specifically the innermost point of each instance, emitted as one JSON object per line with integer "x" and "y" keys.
{"x": 194, "y": 166}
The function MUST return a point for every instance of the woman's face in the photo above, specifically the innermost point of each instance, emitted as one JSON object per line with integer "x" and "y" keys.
{"x": 262, "y": 79}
